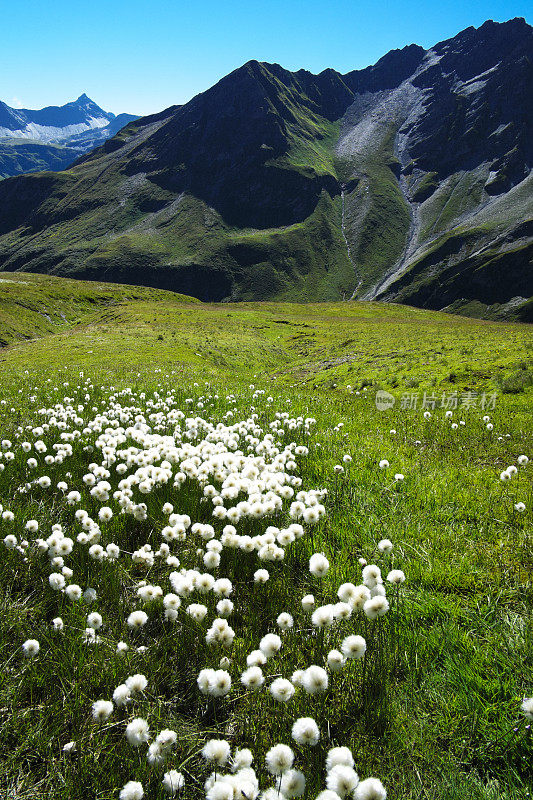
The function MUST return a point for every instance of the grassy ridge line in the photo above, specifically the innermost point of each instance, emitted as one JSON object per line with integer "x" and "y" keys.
{"x": 36, "y": 305}
{"x": 396, "y": 347}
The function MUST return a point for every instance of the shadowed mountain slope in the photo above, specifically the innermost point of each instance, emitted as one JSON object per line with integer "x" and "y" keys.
{"x": 408, "y": 180}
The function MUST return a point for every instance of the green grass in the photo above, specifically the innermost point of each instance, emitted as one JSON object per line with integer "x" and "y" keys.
{"x": 435, "y": 712}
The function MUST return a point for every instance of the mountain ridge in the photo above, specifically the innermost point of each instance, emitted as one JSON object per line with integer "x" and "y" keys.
{"x": 408, "y": 180}
{"x": 67, "y": 131}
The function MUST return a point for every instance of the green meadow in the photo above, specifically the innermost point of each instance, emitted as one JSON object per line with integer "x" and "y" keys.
{"x": 433, "y": 709}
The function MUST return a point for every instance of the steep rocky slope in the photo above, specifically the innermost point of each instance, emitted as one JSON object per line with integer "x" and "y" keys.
{"x": 409, "y": 180}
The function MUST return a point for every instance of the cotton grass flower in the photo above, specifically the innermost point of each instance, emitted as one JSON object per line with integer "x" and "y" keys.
{"x": 270, "y": 644}
{"x": 281, "y": 690}
{"x": 370, "y": 789}
{"x": 305, "y": 732}
{"x": 396, "y": 577}
{"x": 527, "y": 707}
{"x": 315, "y": 679}
{"x": 285, "y": 621}
{"x": 136, "y": 683}
{"x": 279, "y": 759}
{"x": 137, "y": 732}
{"x": 137, "y": 619}
{"x": 122, "y": 695}
{"x": 132, "y": 790}
{"x": 292, "y": 783}
{"x": 339, "y": 755}
{"x": 342, "y": 779}
{"x": 216, "y": 751}
{"x": 354, "y": 647}
{"x": 376, "y": 607}
{"x": 335, "y": 660}
{"x": 173, "y": 781}
{"x": 31, "y": 648}
{"x": 252, "y": 678}
{"x": 102, "y": 710}
{"x": 318, "y": 565}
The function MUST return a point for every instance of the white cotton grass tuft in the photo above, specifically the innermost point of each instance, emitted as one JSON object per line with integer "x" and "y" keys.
{"x": 281, "y": 690}
{"x": 396, "y": 577}
{"x": 292, "y": 783}
{"x": 315, "y": 679}
{"x": 102, "y": 710}
{"x": 335, "y": 660}
{"x": 339, "y": 755}
{"x": 318, "y": 565}
{"x": 216, "y": 751}
{"x": 354, "y": 647}
{"x": 342, "y": 779}
{"x": 370, "y": 789}
{"x": 376, "y": 607}
{"x": 305, "y": 731}
{"x": 31, "y": 648}
{"x": 136, "y": 683}
{"x": 527, "y": 707}
{"x": 279, "y": 759}
{"x": 270, "y": 644}
{"x": 173, "y": 781}
{"x": 137, "y": 732}
{"x": 132, "y": 790}
{"x": 252, "y": 678}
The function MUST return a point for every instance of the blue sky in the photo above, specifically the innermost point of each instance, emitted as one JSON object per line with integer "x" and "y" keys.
{"x": 140, "y": 56}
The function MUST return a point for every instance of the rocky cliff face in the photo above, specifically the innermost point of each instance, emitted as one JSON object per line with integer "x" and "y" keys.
{"x": 409, "y": 180}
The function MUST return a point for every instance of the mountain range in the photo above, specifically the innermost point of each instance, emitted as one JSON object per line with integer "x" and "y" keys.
{"x": 408, "y": 181}
{"x": 52, "y": 138}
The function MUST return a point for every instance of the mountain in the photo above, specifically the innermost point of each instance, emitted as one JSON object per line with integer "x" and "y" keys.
{"x": 65, "y": 131}
{"x": 408, "y": 181}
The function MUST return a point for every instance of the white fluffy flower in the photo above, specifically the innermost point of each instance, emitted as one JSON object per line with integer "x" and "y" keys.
{"x": 315, "y": 679}
{"x": 137, "y": 619}
{"x": 342, "y": 779}
{"x": 173, "y": 781}
{"x": 370, "y": 789}
{"x": 376, "y": 607}
{"x": 339, "y": 755}
{"x": 354, "y": 647}
{"x": 527, "y": 707}
{"x": 217, "y": 751}
{"x": 318, "y": 565}
{"x": 252, "y": 678}
{"x": 132, "y": 790}
{"x": 305, "y": 731}
{"x": 279, "y": 759}
{"x": 270, "y": 644}
{"x": 137, "y": 732}
{"x": 281, "y": 689}
{"x": 102, "y": 709}
{"x": 396, "y": 576}
{"x": 31, "y": 648}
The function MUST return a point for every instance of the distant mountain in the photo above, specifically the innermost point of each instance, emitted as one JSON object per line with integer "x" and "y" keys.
{"x": 410, "y": 180}
{"x": 67, "y": 131}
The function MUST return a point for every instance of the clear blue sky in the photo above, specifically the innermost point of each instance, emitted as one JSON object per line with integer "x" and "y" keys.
{"x": 141, "y": 56}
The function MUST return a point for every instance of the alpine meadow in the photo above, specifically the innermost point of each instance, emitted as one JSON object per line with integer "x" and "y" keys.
{"x": 266, "y": 435}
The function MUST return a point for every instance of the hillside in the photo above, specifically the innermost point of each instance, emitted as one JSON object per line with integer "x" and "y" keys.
{"x": 409, "y": 180}
{"x": 140, "y": 424}
{"x": 52, "y": 138}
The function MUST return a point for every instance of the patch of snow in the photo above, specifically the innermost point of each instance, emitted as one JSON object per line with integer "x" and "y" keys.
{"x": 49, "y": 133}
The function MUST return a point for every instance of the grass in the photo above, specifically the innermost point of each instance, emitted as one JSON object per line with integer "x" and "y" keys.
{"x": 436, "y": 713}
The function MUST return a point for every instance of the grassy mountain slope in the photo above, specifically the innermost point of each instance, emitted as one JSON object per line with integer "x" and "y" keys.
{"x": 407, "y": 180}
{"x": 20, "y": 155}
{"x": 435, "y": 711}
